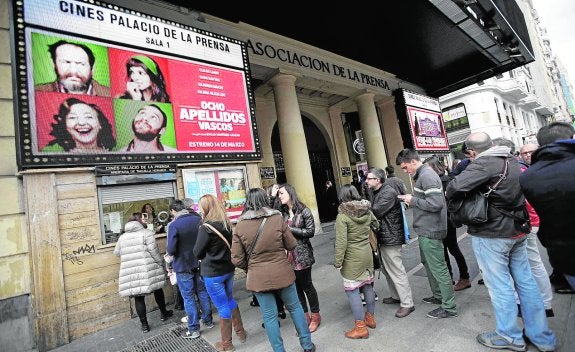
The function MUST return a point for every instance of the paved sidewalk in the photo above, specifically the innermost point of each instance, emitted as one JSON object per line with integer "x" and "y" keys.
{"x": 413, "y": 333}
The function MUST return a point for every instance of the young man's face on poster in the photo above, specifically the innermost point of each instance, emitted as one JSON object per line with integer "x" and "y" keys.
{"x": 148, "y": 123}
{"x": 73, "y": 68}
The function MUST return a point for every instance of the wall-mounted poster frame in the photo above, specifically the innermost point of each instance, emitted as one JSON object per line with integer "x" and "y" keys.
{"x": 228, "y": 184}
{"x": 101, "y": 84}
{"x": 420, "y": 121}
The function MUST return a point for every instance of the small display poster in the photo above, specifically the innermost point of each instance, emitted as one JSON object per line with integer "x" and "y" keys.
{"x": 227, "y": 184}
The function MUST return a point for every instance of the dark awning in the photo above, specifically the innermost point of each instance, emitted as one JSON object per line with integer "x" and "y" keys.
{"x": 441, "y": 45}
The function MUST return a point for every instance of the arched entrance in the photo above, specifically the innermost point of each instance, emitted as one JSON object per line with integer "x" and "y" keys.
{"x": 320, "y": 161}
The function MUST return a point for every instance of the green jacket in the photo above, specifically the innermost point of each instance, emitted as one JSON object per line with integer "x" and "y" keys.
{"x": 352, "y": 249}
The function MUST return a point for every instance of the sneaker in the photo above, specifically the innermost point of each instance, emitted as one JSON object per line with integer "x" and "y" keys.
{"x": 440, "y": 313}
{"x": 431, "y": 300}
{"x": 209, "y": 325}
{"x": 494, "y": 340}
{"x": 184, "y": 319}
{"x": 191, "y": 335}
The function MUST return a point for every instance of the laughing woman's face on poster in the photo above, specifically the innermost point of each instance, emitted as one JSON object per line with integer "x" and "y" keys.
{"x": 83, "y": 125}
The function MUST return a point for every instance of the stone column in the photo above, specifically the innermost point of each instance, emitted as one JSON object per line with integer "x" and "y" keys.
{"x": 293, "y": 142}
{"x": 340, "y": 157}
{"x": 372, "y": 139}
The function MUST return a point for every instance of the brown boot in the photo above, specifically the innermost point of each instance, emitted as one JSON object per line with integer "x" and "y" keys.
{"x": 462, "y": 285}
{"x": 226, "y": 333}
{"x": 370, "y": 320}
{"x": 239, "y": 325}
{"x": 358, "y": 332}
{"x": 315, "y": 322}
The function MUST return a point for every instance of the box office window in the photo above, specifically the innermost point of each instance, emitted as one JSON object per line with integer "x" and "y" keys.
{"x": 119, "y": 202}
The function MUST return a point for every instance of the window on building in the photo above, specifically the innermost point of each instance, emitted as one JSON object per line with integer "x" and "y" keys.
{"x": 497, "y": 109}
{"x": 120, "y": 196}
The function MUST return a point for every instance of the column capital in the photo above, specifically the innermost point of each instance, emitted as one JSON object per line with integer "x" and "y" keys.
{"x": 366, "y": 97}
{"x": 282, "y": 78}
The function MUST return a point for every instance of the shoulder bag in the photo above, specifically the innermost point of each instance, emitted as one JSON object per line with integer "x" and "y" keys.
{"x": 219, "y": 234}
{"x": 473, "y": 208}
{"x": 250, "y": 250}
{"x": 376, "y": 253}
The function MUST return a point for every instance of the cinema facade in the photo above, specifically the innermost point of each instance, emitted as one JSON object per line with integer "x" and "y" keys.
{"x": 247, "y": 108}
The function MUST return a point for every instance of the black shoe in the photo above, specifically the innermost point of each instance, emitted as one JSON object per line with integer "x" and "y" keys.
{"x": 166, "y": 315}
{"x": 282, "y": 314}
{"x": 312, "y": 349}
{"x": 145, "y": 327}
{"x": 431, "y": 300}
{"x": 480, "y": 282}
{"x": 390, "y": 300}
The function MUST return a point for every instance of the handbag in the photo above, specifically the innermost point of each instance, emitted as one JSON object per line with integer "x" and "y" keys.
{"x": 405, "y": 225}
{"x": 376, "y": 253}
{"x": 473, "y": 208}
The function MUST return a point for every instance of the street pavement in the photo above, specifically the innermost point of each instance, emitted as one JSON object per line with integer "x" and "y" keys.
{"x": 413, "y": 333}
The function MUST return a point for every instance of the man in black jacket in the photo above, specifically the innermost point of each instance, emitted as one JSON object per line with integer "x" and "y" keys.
{"x": 548, "y": 185}
{"x": 387, "y": 209}
{"x": 500, "y": 248}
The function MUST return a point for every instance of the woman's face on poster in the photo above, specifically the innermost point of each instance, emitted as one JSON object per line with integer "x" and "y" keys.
{"x": 139, "y": 76}
{"x": 83, "y": 124}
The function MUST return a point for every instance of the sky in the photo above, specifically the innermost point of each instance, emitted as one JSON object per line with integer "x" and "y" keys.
{"x": 557, "y": 17}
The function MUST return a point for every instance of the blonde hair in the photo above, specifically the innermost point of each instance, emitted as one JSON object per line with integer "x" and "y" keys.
{"x": 213, "y": 210}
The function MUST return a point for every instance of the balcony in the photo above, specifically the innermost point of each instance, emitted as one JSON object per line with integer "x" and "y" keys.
{"x": 512, "y": 88}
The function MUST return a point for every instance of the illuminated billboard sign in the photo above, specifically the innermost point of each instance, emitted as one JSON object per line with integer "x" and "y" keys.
{"x": 101, "y": 84}
{"x": 421, "y": 123}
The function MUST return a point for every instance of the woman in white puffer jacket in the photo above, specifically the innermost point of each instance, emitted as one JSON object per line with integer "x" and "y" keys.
{"x": 141, "y": 268}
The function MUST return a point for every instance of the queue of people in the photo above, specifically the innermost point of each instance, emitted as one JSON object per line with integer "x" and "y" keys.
{"x": 271, "y": 242}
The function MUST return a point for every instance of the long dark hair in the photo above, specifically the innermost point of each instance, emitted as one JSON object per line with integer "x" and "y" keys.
{"x": 347, "y": 193}
{"x": 159, "y": 91}
{"x": 297, "y": 204}
{"x": 256, "y": 198}
{"x": 62, "y": 137}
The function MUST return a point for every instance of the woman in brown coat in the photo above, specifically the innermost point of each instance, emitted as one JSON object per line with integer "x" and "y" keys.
{"x": 265, "y": 261}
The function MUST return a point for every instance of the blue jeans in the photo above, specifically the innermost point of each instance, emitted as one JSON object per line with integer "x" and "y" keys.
{"x": 269, "y": 311}
{"x": 190, "y": 284}
{"x": 538, "y": 269}
{"x": 220, "y": 290}
{"x": 505, "y": 268}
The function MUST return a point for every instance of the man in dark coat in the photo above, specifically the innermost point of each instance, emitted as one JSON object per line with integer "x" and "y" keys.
{"x": 387, "y": 209}
{"x": 549, "y": 187}
{"x": 500, "y": 248}
{"x": 182, "y": 235}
